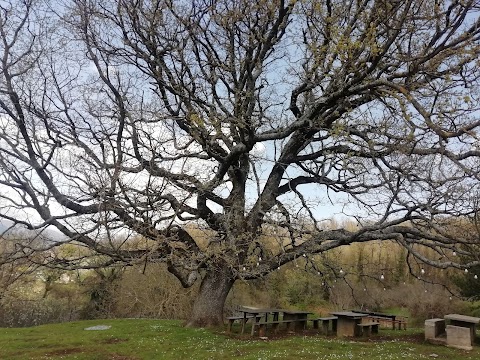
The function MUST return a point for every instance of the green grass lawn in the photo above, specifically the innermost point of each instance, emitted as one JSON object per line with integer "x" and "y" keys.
{"x": 129, "y": 339}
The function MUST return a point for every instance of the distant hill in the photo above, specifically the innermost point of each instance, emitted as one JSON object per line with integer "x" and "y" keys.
{"x": 51, "y": 234}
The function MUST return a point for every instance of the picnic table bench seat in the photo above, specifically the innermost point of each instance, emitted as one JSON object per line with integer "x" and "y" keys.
{"x": 262, "y": 325}
{"x": 325, "y": 321}
{"x": 395, "y": 322}
{"x": 368, "y": 328}
{"x": 232, "y": 319}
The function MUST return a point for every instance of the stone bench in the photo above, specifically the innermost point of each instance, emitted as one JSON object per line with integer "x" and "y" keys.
{"x": 434, "y": 329}
{"x": 262, "y": 325}
{"x": 369, "y": 328}
{"x": 459, "y": 337}
{"x": 325, "y": 321}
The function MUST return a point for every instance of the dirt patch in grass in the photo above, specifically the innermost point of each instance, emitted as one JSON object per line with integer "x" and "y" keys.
{"x": 66, "y": 351}
{"x": 122, "y": 357}
{"x": 411, "y": 338}
{"x": 113, "y": 341}
{"x": 274, "y": 336}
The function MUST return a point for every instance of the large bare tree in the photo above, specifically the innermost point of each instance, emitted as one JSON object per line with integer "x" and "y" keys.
{"x": 249, "y": 119}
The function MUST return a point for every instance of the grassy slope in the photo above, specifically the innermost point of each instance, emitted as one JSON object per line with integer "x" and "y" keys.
{"x": 160, "y": 339}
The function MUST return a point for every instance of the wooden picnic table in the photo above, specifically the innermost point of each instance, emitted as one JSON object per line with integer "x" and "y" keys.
{"x": 347, "y": 323}
{"x": 373, "y": 313}
{"x": 258, "y": 313}
{"x": 298, "y": 317}
{"x": 396, "y": 321}
{"x": 252, "y": 311}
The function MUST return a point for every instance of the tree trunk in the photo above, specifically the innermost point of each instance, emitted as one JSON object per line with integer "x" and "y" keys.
{"x": 208, "y": 307}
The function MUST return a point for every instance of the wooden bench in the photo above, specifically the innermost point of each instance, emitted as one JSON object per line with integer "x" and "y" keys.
{"x": 386, "y": 320}
{"x": 262, "y": 325}
{"x": 232, "y": 319}
{"x": 395, "y": 323}
{"x": 368, "y": 328}
{"x": 325, "y": 323}
{"x": 399, "y": 323}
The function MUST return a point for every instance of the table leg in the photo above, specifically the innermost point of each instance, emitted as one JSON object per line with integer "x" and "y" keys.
{"x": 357, "y": 331}
{"x": 243, "y": 322}
{"x": 301, "y": 324}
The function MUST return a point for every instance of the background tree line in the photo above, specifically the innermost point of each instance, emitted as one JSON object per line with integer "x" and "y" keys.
{"x": 151, "y": 119}
{"x": 376, "y": 276}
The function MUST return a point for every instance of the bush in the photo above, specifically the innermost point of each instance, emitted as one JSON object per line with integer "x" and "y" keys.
{"x": 20, "y": 313}
{"x": 152, "y": 292}
{"x": 100, "y": 287}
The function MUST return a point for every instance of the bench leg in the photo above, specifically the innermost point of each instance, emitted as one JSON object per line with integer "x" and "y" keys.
{"x": 253, "y": 328}
{"x": 367, "y": 330}
{"x": 230, "y": 323}
{"x": 275, "y": 328}
{"x": 262, "y": 330}
{"x": 255, "y": 321}
{"x": 244, "y": 320}
{"x": 334, "y": 326}
{"x": 325, "y": 326}
{"x": 375, "y": 329}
